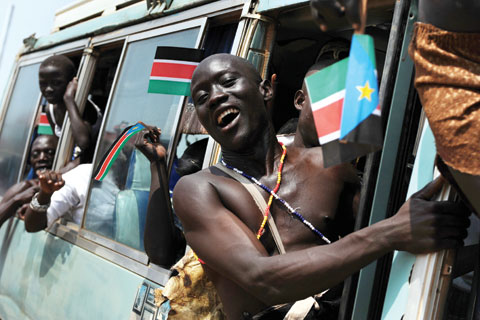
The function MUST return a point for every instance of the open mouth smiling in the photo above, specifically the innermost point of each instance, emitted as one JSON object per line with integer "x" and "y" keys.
{"x": 226, "y": 117}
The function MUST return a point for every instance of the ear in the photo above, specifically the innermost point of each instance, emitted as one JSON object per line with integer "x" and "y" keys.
{"x": 299, "y": 100}
{"x": 266, "y": 90}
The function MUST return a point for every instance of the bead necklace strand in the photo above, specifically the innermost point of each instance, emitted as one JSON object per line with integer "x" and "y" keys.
{"x": 261, "y": 230}
{"x": 292, "y": 211}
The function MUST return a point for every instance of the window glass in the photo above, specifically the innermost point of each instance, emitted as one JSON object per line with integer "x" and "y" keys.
{"x": 18, "y": 117}
{"x": 117, "y": 205}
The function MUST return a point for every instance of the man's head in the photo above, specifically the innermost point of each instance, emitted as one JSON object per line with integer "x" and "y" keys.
{"x": 54, "y": 75}
{"x": 43, "y": 152}
{"x": 230, "y": 98}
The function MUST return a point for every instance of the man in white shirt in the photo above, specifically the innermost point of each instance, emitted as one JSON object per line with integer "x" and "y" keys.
{"x": 59, "y": 196}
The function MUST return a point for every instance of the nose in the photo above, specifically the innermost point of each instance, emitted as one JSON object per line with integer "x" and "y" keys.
{"x": 48, "y": 89}
{"x": 217, "y": 96}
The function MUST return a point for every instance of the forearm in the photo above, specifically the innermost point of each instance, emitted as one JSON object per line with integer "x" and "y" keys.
{"x": 8, "y": 207}
{"x": 80, "y": 130}
{"x": 160, "y": 233}
{"x": 37, "y": 220}
{"x": 302, "y": 273}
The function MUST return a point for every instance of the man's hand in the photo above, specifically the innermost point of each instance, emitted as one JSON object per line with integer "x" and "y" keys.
{"x": 148, "y": 142}
{"x": 71, "y": 90}
{"x": 26, "y": 195}
{"x": 50, "y": 181}
{"x": 325, "y": 11}
{"x": 424, "y": 225}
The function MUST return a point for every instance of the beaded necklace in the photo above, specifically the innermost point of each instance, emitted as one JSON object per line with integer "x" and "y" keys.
{"x": 275, "y": 190}
{"x": 273, "y": 194}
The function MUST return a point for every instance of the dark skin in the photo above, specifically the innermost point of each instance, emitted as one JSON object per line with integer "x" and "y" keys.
{"x": 220, "y": 218}
{"x": 58, "y": 87}
{"x": 20, "y": 194}
{"x": 457, "y": 16}
{"x": 162, "y": 240}
{"x": 49, "y": 181}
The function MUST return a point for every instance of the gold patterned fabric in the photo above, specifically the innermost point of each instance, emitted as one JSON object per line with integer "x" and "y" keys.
{"x": 447, "y": 78}
{"x": 190, "y": 293}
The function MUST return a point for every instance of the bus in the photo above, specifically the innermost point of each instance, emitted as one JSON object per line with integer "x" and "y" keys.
{"x": 99, "y": 269}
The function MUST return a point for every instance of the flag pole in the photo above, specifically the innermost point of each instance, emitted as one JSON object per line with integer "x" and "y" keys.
{"x": 360, "y": 29}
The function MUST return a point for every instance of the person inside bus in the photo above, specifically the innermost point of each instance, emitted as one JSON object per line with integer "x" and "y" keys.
{"x": 41, "y": 159}
{"x": 59, "y": 196}
{"x": 221, "y": 220}
{"x": 444, "y": 49}
{"x": 163, "y": 238}
{"x": 58, "y": 85}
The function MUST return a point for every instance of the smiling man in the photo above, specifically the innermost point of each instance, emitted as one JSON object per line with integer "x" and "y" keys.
{"x": 41, "y": 158}
{"x": 221, "y": 219}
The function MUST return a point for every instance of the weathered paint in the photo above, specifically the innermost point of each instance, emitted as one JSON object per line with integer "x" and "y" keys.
{"x": 45, "y": 277}
{"x": 397, "y": 290}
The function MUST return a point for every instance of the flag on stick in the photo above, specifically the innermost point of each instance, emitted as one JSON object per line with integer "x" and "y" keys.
{"x": 43, "y": 125}
{"x": 172, "y": 70}
{"x": 361, "y": 95}
{"x": 115, "y": 149}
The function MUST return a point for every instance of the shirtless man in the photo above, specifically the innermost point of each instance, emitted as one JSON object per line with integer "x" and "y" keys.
{"x": 41, "y": 158}
{"x": 221, "y": 220}
{"x": 58, "y": 85}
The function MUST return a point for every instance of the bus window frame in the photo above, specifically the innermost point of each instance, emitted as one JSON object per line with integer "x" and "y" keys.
{"x": 200, "y": 23}
{"x": 27, "y": 60}
{"x": 106, "y": 248}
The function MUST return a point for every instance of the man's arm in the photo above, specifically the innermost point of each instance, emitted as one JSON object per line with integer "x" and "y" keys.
{"x": 15, "y": 197}
{"x": 36, "y": 220}
{"x": 230, "y": 248}
{"x": 80, "y": 129}
{"x": 162, "y": 239}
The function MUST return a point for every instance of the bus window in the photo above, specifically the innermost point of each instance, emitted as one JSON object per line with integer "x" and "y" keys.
{"x": 117, "y": 205}
{"x": 16, "y": 128}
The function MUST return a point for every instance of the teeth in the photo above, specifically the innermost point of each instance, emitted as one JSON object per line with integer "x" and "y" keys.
{"x": 226, "y": 113}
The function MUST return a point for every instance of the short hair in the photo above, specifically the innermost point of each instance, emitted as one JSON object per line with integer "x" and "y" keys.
{"x": 61, "y": 61}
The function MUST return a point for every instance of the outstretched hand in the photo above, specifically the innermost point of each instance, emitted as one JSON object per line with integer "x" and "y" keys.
{"x": 50, "y": 181}
{"x": 148, "y": 142}
{"x": 71, "y": 90}
{"x": 426, "y": 225}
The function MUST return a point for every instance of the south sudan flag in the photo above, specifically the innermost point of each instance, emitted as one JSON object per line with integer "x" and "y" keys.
{"x": 43, "y": 125}
{"x": 115, "y": 149}
{"x": 172, "y": 70}
{"x": 326, "y": 90}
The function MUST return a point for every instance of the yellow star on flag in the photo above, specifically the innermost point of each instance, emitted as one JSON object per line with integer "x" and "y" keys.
{"x": 365, "y": 91}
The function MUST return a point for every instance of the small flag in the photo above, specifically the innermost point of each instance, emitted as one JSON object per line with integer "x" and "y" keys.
{"x": 361, "y": 88}
{"x": 43, "y": 125}
{"x": 326, "y": 90}
{"x": 114, "y": 150}
{"x": 172, "y": 70}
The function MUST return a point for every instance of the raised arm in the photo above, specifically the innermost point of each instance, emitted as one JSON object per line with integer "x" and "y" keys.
{"x": 230, "y": 248}
{"x": 36, "y": 215}
{"x": 162, "y": 239}
{"x": 80, "y": 129}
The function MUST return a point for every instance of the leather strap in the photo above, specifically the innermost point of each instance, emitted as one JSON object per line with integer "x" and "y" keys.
{"x": 259, "y": 201}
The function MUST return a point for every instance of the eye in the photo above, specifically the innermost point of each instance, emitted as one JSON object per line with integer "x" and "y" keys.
{"x": 200, "y": 99}
{"x": 229, "y": 82}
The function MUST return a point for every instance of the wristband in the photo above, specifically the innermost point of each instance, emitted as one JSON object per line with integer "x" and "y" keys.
{"x": 36, "y": 206}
